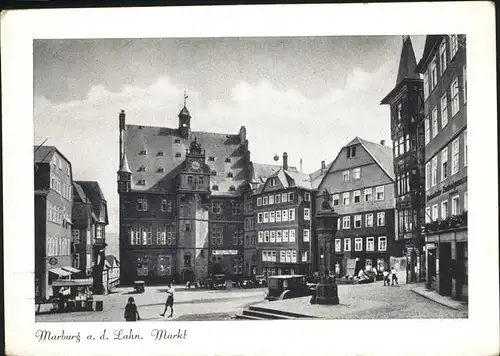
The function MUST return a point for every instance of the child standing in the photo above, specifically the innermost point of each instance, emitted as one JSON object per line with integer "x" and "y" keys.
{"x": 131, "y": 313}
{"x": 386, "y": 278}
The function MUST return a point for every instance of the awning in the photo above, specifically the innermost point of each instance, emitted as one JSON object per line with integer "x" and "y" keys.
{"x": 72, "y": 283}
{"x": 71, "y": 269}
{"x": 60, "y": 272}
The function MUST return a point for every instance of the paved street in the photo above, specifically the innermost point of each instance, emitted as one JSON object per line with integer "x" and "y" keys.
{"x": 369, "y": 301}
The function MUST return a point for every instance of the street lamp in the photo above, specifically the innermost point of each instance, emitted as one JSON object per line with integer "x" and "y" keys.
{"x": 326, "y": 222}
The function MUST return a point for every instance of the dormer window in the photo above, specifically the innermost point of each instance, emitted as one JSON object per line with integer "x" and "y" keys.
{"x": 232, "y": 188}
{"x": 214, "y": 173}
{"x": 141, "y": 182}
{"x": 211, "y": 158}
{"x": 160, "y": 153}
{"x": 228, "y": 160}
{"x": 230, "y": 175}
{"x": 142, "y": 152}
{"x": 177, "y": 155}
{"x": 351, "y": 151}
{"x": 142, "y": 169}
{"x": 177, "y": 140}
{"x": 160, "y": 170}
{"x": 215, "y": 187}
{"x": 272, "y": 182}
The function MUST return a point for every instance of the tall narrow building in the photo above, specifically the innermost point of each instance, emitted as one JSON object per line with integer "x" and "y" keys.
{"x": 407, "y": 133}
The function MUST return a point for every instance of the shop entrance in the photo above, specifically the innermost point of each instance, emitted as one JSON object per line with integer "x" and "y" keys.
{"x": 445, "y": 269}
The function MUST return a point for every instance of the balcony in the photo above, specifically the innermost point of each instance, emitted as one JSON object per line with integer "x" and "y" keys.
{"x": 451, "y": 223}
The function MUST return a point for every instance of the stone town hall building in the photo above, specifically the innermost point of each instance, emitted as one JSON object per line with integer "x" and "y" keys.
{"x": 185, "y": 199}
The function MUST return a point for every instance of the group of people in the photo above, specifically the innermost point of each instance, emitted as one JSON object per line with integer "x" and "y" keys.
{"x": 132, "y": 314}
{"x": 390, "y": 277}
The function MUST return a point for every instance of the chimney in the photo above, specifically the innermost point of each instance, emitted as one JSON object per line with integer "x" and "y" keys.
{"x": 121, "y": 119}
{"x": 323, "y": 166}
{"x": 301, "y": 165}
{"x": 382, "y": 142}
{"x": 285, "y": 161}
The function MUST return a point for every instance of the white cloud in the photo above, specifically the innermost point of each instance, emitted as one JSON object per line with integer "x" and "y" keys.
{"x": 313, "y": 129}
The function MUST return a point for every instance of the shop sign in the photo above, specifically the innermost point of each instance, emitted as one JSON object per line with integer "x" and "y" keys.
{"x": 224, "y": 252}
{"x": 53, "y": 261}
{"x": 454, "y": 184}
{"x": 430, "y": 246}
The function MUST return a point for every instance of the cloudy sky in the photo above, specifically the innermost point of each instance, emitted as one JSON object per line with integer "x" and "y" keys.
{"x": 307, "y": 96}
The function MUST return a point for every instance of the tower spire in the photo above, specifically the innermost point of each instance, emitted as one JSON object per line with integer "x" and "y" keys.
{"x": 185, "y": 97}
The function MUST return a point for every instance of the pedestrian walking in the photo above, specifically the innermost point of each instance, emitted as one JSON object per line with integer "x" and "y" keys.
{"x": 131, "y": 313}
{"x": 170, "y": 301}
{"x": 394, "y": 276}
{"x": 386, "y": 278}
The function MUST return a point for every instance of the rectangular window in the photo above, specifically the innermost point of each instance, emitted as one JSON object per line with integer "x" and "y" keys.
{"x": 426, "y": 85}
{"x": 381, "y": 219}
{"x": 284, "y": 197}
{"x": 358, "y": 244}
{"x": 455, "y": 152}
{"x": 368, "y": 194}
{"x": 428, "y": 215}
{"x": 465, "y": 201}
{"x": 369, "y": 220}
{"x": 285, "y": 235}
{"x": 382, "y": 243}
{"x": 335, "y": 198}
{"x": 307, "y": 214}
{"x": 272, "y": 236}
{"x": 278, "y": 215}
{"x": 427, "y": 175}
{"x": 259, "y": 201}
{"x": 346, "y": 222}
{"x": 304, "y": 256}
{"x": 454, "y": 45}
{"x": 444, "y": 110}
{"x": 260, "y": 236}
{"x": 434, "y": 74}
{"x": 401, "y": 145}
{"x": 291, "y": 214}
{"x": 379, "y": 191}
{"x": 345, "y": 198}
{"x": 236, "y": 208}
{"x": 465, "y": 148}
{"x": 266, "y": 217}
{"x": 444, "y": 164}
{"x": 271, "y": 199}
{"x": 357, "y": 173}
{"x": 454, "y": 97}
{"x": 357, "y": 196}
{"x": 434, "y": 165}
{"x": 345, "y": 176}
{"x": 338, "y": 245}
{"x": 427, "y": 130}
{"x": 455, "y": 205}
{"x": 464, "y": 79}
{"x": 271, "y": 216}
{"x": 435, "y": 212}
{"x": 259, "y": 218}
{"x": 216, "y": 207}
{"x": 347, "y": 244}
{"x": 288, "y": 255}
{"x": 282, "y": 256}
{"x": 265, "y": 200}
{"x": 305, "y": 236}
{"x": 284, "y": 215}
{"x": 370, "y": 244}
{"x": 272, "y": 181}
{"x": 444, "y": 209}
{"x": 75, "y": 236}
{"x": 307, "y": 196}
{"x": 357, "y": 221}
{"x": 442, "y": 56}
{"x": 291, "y": 236}
{"x": 277, "y": 198}
{"x": 290, "y": 197}
{"x": 266, "y": 236}
{"x": 278, "y": 236}
{"x": 434, "y": 122}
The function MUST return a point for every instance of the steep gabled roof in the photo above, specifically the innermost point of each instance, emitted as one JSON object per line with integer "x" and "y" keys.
{"x": 43, "y": 154}
{"x": 430, "y": 42}
{"x": 382, "y": 155}
{"x": 317, "y": 176}
{"x": 407, "y": 62}
{"x": 94, "y": 193}
{"x": 78, "y": 193}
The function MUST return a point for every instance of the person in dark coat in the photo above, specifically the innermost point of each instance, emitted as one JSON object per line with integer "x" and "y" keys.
{"x": 131, "y": 313}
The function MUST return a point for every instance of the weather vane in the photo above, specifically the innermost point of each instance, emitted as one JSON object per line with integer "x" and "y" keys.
{"x": 185, "y": 97}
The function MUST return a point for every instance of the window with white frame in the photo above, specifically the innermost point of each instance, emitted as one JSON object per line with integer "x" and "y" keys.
{"x": 346, "y": 222}
{"x": 345, "y": 176}
{"x": 272, "y": 182}
{"x": 272, "y": 236}
{"x": 368, "y": 194}
{"x": 454, "y": 97}
{"x": 465, "y": 148}
{"x": 288, "y": 256}
{"x": 305, "y": 236}
{"x": 282, "y": 256}
{"x": 259, "y": 201}
{"x": 444, "y": 164}
{"x": 266, "y": 217}
{"x": 357, "y": 221}
{"x": 293, "y": 256}
{"x": 291, "y": 197}
{"x": 379, "y": 193}
{"x": 434, "y": 122}
{"x": 427, "y": 175}
{"x": 465, "y": 201}
{"x": 335, "y": 198}
{"x": 278, "y": 215}
{"x": 347, "y": 244}
{"x": 259, "y": 218}
{"x": 369, "y": 220}
{"x": 291, "y": 235}
{"x": 339, "y": 225}
{"x": 453, "y": 45}
{"x": 434, "y": 73}
{"x": 444, "y": 110}
{"x": 434, "y": 165}
{"x": 399, "y": 111}
{"x": 426, "y": 85}
{"x": 401, "y": 145}
{"x": 285, "y": 235}
{"x": 442, "y": 56}
{"x": 435, "y": 212}
{"x": 427, "y": 130}
{"x": 357, "y": 173}
{"x": 357, "y": 196}
{"x": 284, "y": 197}
{"x": 464, "y": 70}
{"x": 271, "y": 216}
{"x": 382, "y": 243}
{"x": 307, "y": 214}
{"x": 271, "y": 199}
{"x": 428, "y": 215}
{"x": 370, "y": 244}
{"x": 455, "y": 205}
{"x": 307, "y": 196}
{"x": 381, "y": 219}
{"x": 455, "y": 153}
{"x": 407, "y": 143}
{"x": 444, "y": 209}
{"x": 358, "y": 244}
{"x": 345, "y": 198}
{"x": 278, "y": 236}
{"x": 338, "y": 243}
{"x": 266, "y": 236}
{"x": 291, "y": 214}
{"x": 304, "y": 256}
{"x": 265, "y": 200}
{"x": 75, "y": 235}
{"x": 260, "y": 236}
{"x": 284, "y": 215}
{"x": 277, "y": 198}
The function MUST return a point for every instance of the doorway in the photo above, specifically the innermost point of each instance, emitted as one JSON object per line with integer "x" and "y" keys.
{"x": 445, "y": 269}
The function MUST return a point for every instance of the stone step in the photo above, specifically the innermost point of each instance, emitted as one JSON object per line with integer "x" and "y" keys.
{"x": 270, "y": 310}
{"x": 247, "y": 317}
{"x": 265, "y": 315}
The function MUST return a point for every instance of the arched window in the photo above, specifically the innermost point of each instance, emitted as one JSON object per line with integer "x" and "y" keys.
{"x": 232, "y": 188}
{"x": 214, "y": 173}
{"x": 215, "y": 187}
{"x": 230, "y": 175}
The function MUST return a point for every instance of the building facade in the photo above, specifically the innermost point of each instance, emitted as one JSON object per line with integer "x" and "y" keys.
{"x": 444, "y": 69}
{"x": 407, "y": 133}
{"x": 283, "y": 206}
{"x": 361, "y": 183}
{"x": 53, "y": 207}
{"x": 184, "y": 196}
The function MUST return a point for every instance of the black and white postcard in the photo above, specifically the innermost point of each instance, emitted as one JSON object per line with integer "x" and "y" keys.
{"x": 251, "y": 180}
